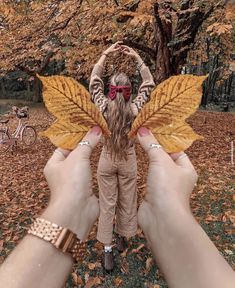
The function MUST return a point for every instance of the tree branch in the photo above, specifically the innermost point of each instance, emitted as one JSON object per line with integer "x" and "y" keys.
{"x": 40, "y": 69}
{"x": 157, "y": 18}
{"x": 45, "y": 62}
{"x": 116, "y": 2}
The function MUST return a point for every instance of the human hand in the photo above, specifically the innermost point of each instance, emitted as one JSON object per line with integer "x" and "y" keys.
{"x": 113, "y": 48}
{"x": 129, "y": 51}
{"x": 171, "y": 179}
{"x": 72, "y": 203}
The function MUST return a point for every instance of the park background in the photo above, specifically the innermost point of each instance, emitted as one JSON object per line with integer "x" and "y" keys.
{"x": 67, "y": 37}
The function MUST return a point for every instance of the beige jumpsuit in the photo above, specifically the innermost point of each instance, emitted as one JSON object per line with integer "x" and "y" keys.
{"x": 117, "y": 178}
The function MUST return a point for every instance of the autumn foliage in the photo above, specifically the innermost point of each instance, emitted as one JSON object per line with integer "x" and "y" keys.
{"x": 76, "y": 32}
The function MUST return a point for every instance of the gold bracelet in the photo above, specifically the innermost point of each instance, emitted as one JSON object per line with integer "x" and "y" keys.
{"x": 61, "y": 238}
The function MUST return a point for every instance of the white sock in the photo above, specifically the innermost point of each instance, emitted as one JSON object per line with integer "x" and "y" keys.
{"x": 107, "y": 248}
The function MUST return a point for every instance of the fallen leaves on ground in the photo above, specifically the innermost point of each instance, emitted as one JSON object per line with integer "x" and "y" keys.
{"x": 24, "y": 194}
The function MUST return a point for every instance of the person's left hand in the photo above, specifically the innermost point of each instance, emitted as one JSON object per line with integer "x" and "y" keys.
{"x": 72, "y": 203}
{"x": 113, "y": 48}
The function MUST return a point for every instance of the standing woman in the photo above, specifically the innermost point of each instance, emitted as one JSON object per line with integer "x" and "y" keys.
{"x": 117, "y": 169}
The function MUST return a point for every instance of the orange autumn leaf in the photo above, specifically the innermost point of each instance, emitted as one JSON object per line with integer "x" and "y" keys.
{"x": 65, "y": 135}
{"x": 71, "y": 104}
{"x": 93, "y": 282}
{"x": 77, "y": 279}
{"x": 175, "y": 137}
{"x": 91, "y": 266}
{"x": 171, "y": 103}
{"x": 118, "y": 281}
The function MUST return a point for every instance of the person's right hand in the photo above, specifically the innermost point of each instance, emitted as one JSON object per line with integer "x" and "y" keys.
{"x": 170, "y": 181}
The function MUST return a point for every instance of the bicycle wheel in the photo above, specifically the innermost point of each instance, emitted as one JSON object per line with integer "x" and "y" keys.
{"x": 4, "y": 144}
{"x": 29, "y": 135}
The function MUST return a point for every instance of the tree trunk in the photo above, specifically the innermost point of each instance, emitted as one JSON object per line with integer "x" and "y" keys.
{"x": 162, "y": 35}
{"x": 3, "y": 90}
{"x": 172, "y": 50}
{"x": 37, "y": 91}
{"x": 210, "y": 83}
{"x": 28, "y": 90}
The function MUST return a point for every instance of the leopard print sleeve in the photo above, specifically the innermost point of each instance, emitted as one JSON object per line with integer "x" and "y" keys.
{"x": 145, "y": 89}
{"x": 96, "y": 88}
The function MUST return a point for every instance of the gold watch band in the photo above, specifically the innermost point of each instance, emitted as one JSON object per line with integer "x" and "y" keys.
{"x": 62, "y": 238}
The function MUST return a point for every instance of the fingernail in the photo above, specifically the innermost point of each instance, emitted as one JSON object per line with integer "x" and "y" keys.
{"x": 143, "y": 132}
{"x": 96, "y": 130}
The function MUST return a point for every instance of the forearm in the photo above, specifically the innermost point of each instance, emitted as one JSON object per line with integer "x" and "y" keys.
{"x": 36, "y": 262}
{"x": 186, "y": 255}
{"x": 146, "y": 87}
{"x": 139, "y": 60}
{"x": 102, "y": 60}
{"x": 96, "y": 86}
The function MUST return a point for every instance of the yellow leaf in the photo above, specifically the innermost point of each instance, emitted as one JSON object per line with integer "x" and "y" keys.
{"x": 172, "y": 102}
{"x": 71, "y": 103}
{"x": 77, "y": 279}
{"x": 149, "y": 264}
{"x": 93, "y": 282}
{"x": 65, "y": 135}
{"x": 175, "y": 137}
{"x": 118, "y": 281}
{"x": 91, "y": 266}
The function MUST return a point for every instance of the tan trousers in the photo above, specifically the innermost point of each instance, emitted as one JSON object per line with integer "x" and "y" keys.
{"x": 117, "y": 193}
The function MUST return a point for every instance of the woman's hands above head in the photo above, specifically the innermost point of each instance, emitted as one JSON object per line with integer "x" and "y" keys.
{"x": 132, "y": 53}
{"x": 118, "y": 46}
{"x": 129, "y": 51}
{"x": 113, "y": 48}
{"x": 72, "y": 203}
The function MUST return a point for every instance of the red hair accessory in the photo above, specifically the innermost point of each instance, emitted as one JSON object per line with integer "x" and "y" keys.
{"x": 125, "y": 90}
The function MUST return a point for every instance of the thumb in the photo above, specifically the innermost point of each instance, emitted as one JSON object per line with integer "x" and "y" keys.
{"x": 59, "y": 155}
{"x": 92, "y": 138}
{"x": 158, "y": 155}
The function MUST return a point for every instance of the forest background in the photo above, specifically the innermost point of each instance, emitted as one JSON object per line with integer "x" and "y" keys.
{"x": 68, "y": 36}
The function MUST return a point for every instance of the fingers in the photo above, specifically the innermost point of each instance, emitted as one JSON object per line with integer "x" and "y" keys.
{"x": 116, "y": 49}
{"x": 158, "y": 155}
{"x": 125, "y": 48}
{"x": 182, "y": 160}
{"x": 175, "y": 156}
{"x": 84, "y": 151}
{"x": 59, "y": 155}
{"x": 118, "y": 43}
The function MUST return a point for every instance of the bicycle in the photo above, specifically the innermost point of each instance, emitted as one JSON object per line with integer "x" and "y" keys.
{"x": 24, "y": 132}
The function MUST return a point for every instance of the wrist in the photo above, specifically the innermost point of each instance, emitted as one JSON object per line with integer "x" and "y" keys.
{"x": 77, "y": 215}
{"x": 66, "y": 214}
{"x": 172, "y": 217}
{"x": 105, "y": 54}
{"x": 139, "y": 59}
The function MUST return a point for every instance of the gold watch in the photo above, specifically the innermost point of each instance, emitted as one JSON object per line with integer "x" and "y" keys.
{"x": 62, "y": 238}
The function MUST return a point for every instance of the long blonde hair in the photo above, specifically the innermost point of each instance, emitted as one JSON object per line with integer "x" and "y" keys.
{"x": 119, "y": 118}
